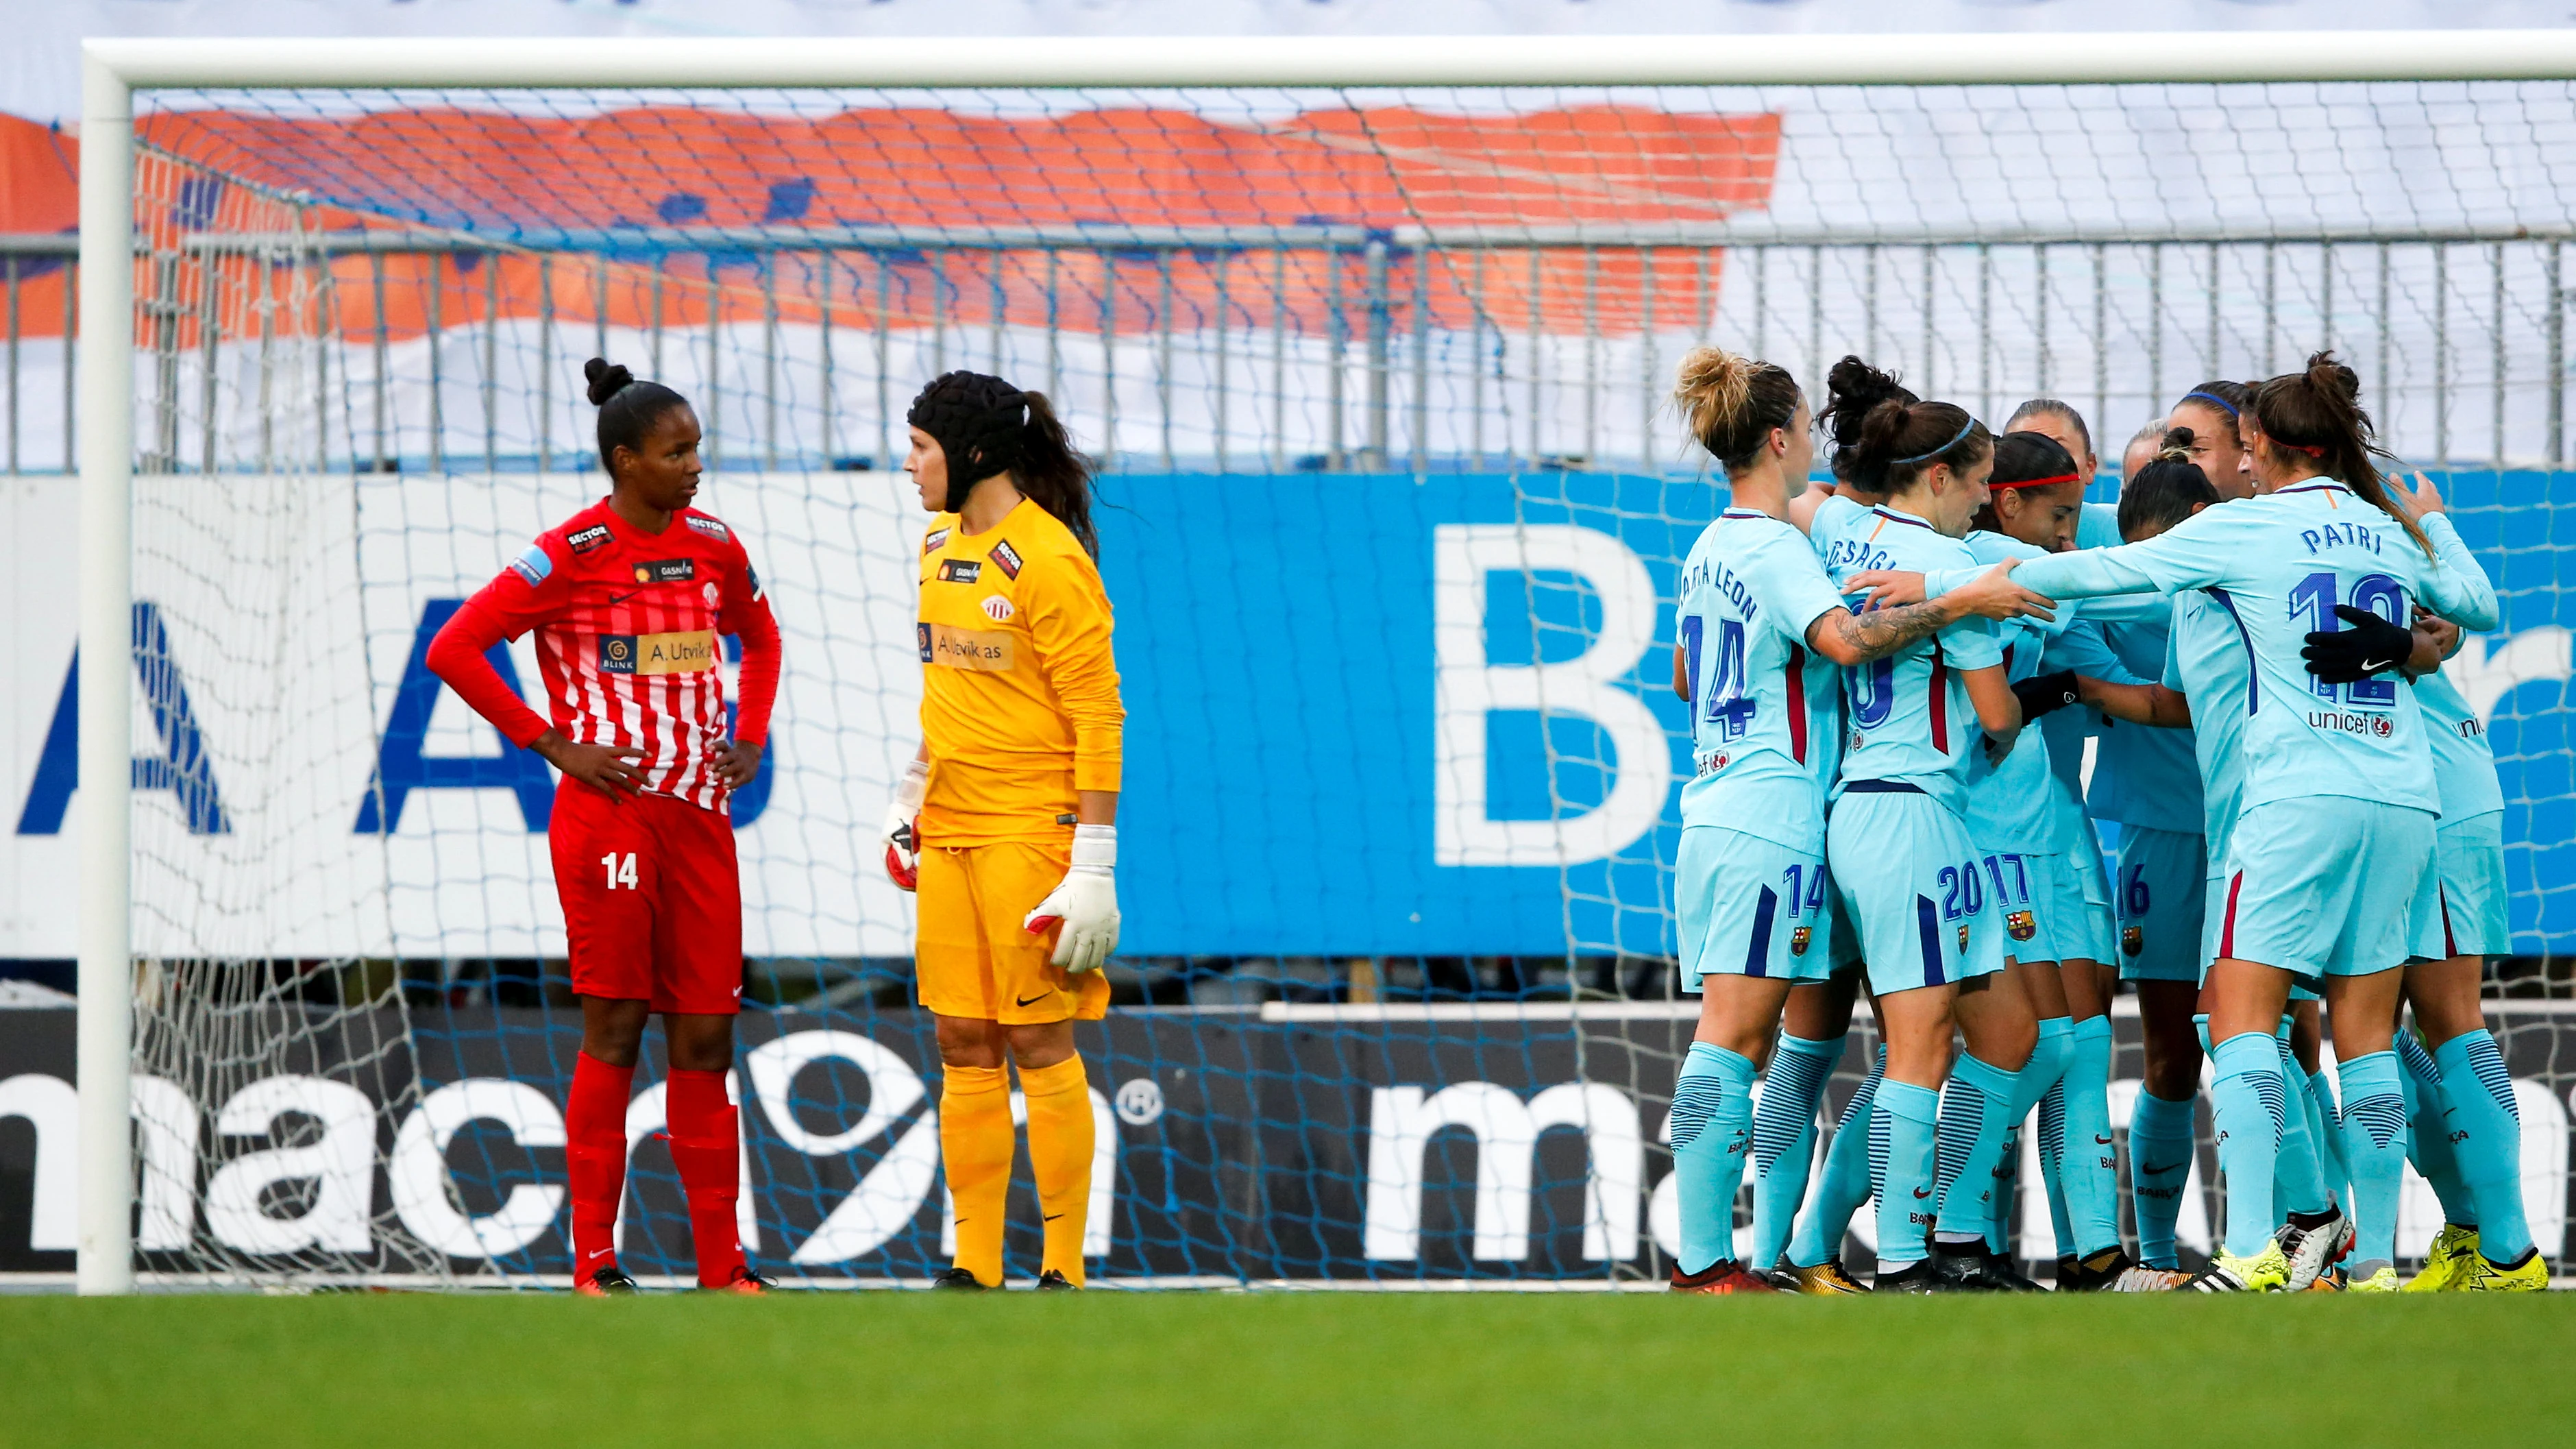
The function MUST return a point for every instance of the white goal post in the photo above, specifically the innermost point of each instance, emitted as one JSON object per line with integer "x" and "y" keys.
{"x": 114, "y": 70}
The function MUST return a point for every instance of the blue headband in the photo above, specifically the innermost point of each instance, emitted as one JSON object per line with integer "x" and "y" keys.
{"x": 2212, "y": 397}
{"x": 1937, "y": 452}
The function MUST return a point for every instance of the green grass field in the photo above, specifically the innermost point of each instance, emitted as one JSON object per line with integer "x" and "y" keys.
{"x": 1286, "y": 1368}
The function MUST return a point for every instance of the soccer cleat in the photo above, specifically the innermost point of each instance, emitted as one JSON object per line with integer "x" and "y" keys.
{"x": 957, "y": 1280}
{"x": 1723, "y": 1276}
{"x": 2383, "y": 1281}
{"x": 1915, "y": 1277}
{"x": 608, "y": 1282}
{"x": 1968, "y": 1269}
{"x": 2449, "y": 1263}
{"x": 2005, "y": 1267}
{"x": 2097, "y": 1274}
{"x": 1054, "y": 1281}
{"x": 2313, "y": 1247}
{"x": 2265, "y": 1272}
{"x": 2332, "y": 1280}
{"x": 747, "y": 1281}
{"x": 1825, "y": 1280}
{"x": 2149, "y": 1280}
{"x": 2531, "y": 1275}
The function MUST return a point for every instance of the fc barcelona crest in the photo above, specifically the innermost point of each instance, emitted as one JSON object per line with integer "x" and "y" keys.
{"x": 1798, "y": 938}
{"x": 2020, "y": 926}
{"x": 2133, "y": 939}
{"x": 1963, "y": 935}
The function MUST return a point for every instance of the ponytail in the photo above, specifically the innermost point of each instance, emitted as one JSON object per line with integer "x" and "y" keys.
{"x": 2318, "y": 412}
{"x": 1053, "y": 475}
{"x": 628, "y": 409}
{"x": 1731, "y": 404}
{"x": 1853, "y": 388}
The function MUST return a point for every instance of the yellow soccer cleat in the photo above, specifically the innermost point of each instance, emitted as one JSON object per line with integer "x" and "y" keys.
{"x": 1825, "y": 1280}
{"x": 2265, "y": 1272}
{"x": 2383, "y": 1281}
{"x": 2449, "y": 1263}
{"x": 2531, "y": 1275}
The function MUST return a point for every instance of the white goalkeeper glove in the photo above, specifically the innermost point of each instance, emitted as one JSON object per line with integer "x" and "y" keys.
{"x": 902, "y": 838}
{"x": 1086, "y": 902}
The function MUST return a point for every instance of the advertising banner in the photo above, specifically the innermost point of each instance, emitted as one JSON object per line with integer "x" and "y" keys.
{"x": 1510, "y": 1143}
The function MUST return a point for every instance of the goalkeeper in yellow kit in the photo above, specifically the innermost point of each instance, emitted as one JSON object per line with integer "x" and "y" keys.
{"x": 1006, "y": 822}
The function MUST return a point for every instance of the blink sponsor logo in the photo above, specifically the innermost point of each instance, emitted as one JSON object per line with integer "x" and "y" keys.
{"x": 2378, "y": 726}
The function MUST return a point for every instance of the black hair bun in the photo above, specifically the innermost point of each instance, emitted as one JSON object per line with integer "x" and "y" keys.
{"x": 606, "y": 380}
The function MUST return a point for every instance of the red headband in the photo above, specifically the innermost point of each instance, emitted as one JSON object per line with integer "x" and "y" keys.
{"x": 2033, "y": 482}
{"x": 2317, "y": 453}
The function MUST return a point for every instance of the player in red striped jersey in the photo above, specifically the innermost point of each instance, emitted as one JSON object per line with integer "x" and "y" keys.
{"x": 628, "y": 599}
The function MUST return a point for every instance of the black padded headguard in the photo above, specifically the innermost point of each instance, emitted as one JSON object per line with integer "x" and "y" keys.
{"x": 978, "y": 420}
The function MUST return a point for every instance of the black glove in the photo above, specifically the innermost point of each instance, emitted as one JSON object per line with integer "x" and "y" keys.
{"x": 2042, "y": 693}
{"x": 2366, "y": 645}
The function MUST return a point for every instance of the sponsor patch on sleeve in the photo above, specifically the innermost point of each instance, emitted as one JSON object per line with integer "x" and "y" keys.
{"x": 753, "y": 575}
{"x": 931, "y": 541}
{"x": 960, "y": 570}
{"x": 709, "y": 527}
{"x": 533, "y": 565}
{"x": 583, "y": 540}
{"x": 1006, "y": 559}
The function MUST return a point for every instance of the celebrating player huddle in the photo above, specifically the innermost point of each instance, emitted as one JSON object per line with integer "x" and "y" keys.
{"x": 2306, "y": 808}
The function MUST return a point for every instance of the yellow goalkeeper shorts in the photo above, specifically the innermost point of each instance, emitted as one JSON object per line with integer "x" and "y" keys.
{"x": 971, "y": 956}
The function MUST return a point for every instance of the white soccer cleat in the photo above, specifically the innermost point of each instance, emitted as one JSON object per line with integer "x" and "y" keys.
{"x": 2312, "y": 1251}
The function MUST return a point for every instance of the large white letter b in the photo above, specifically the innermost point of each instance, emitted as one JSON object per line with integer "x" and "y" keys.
{"x": 1587, "y": 685}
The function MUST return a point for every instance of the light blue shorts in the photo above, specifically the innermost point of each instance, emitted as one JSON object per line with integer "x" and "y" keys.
{"x": 1912, "y": 881}
{"x": 2326, "y": 885}
{"x": 2038, "y": 904}
{"x": 2468, "y": 916}
{"x": 2162, "y": 886}
{"x": 1842, "y": 937}
{"x": 2101, "y": 923}
{"x": 1749, "y": 907}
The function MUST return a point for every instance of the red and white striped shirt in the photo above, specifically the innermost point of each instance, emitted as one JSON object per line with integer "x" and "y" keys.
{"x": 628, "y": 625}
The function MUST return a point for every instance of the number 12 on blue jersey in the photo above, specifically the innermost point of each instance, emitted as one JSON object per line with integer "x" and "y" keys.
{"x": 2314, "y": 596}
{"x": 1728, "y": 705}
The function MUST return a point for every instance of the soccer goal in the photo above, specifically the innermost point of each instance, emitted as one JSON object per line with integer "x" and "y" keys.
{"x": 1371, "y": 338}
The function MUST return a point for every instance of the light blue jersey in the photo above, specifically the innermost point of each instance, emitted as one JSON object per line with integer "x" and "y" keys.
{"x": 1910, "y": 722}
{"x": 2463, "y": 763}
{"x": 2009, "y": 807}
{"x": 2144, "y": 776}
{"x": 1836, "y": 520}
{"x": 2098, "y": 526}
{"x": 2278, "y": 565}
{"x": 2205, "y": 662}
{"x": 1759, "y": 701}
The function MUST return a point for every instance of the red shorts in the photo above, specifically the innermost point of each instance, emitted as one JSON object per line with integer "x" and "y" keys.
{"x": 652, "y": 900}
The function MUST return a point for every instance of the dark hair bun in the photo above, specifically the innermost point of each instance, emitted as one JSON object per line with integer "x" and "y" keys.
{"x": 606, "y": 380}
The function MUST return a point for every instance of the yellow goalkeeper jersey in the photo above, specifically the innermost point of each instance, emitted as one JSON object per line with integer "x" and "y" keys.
{"x": 1019, "y": 697}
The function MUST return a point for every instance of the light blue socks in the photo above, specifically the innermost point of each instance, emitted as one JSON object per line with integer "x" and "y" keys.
{"x": 2160, "y": 1154}
{"x": 2489, "y": 1147}
{"x": 1849, "y": 1175}
{"x": 2039, "y": 1087}
{"x": 2374, "y": 1147}
{"x": 2298, "y": 1178}
{"x": 2428, "y": 1132}
{"x": 1784, "y": 1139}
{"x": 2089, "y": 1164}
{"x": 1900, "y": 1152}
{"x": 1975, "y": 1113}
{"x": 2247, "y": 1098}
{"x": 1712, "y": 1121}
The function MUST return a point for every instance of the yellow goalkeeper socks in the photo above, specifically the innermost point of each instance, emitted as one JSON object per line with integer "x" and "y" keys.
{"x": 975, "y": 1145}
{"x": 1060, "y": 1144}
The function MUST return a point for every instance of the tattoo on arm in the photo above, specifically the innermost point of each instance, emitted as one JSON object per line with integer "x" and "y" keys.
{"x": 1882, "y": 632}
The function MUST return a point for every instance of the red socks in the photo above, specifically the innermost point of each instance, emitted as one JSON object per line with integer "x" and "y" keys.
{"x": 706, "y": 1147}
{"x": 595, "y": 1159}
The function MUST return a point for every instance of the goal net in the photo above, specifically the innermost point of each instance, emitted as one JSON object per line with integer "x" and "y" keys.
{"x": 1393, "y": 510}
